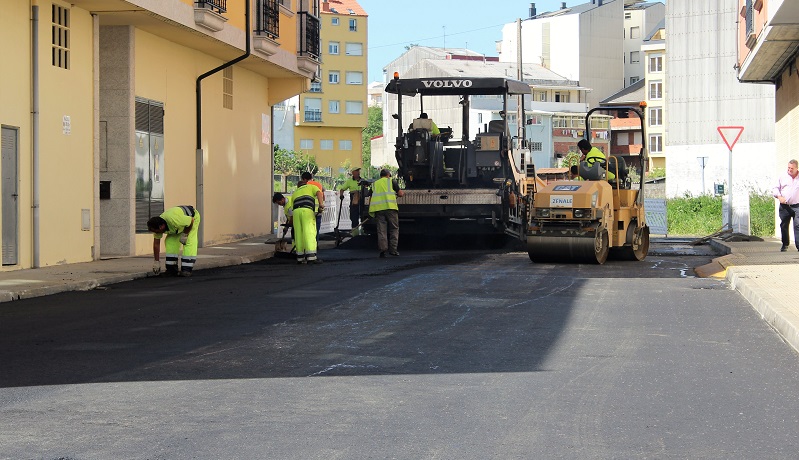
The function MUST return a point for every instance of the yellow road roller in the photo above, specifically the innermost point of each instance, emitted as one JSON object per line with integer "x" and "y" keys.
{"x": 592, "y": 218}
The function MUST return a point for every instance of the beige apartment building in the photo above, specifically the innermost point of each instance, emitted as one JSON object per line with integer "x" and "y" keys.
{"x": 333, "y": 113}
{"x": 113, "y": 110}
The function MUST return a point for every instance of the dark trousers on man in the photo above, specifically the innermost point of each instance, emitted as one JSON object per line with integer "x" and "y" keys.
{"x": 788, "y": 212}
{"x": 387, "y": 230}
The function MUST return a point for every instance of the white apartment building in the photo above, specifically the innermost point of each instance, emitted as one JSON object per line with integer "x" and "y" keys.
{"x": 581, "y": 43}
{"x": 640, "y": 18}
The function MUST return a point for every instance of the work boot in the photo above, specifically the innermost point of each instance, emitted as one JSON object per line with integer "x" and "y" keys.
{"x": 394, "y": 253}
{"x": 184, "y": 274}
{"x": 316, "y": 261}
{"x": 382, "y": 254}
{"x": 783, "y": 248}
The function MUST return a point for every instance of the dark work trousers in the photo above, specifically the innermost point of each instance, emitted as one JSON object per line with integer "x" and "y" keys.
{"x": 387, "y": 230}
{"x": 318, "y": 224}
{"x": 355, "y": 217}
{"x": 788, "y": 212}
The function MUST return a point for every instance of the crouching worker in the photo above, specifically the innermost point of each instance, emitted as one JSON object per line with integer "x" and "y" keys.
{"x": 180, "y": 225}
{"x": 306, "y": 201}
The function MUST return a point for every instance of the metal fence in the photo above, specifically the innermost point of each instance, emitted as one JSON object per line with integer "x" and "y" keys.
{"x": 330, "y": 216}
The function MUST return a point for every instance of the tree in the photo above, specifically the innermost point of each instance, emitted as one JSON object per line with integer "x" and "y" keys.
{"x": 374, "y": 128}
{"x": 290, "y": 162}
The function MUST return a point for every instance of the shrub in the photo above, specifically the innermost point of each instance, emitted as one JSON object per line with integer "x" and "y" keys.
{"x": 699, "y": 216}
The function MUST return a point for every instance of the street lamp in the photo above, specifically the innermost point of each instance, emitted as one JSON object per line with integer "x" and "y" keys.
{"x": 702, "y": 163}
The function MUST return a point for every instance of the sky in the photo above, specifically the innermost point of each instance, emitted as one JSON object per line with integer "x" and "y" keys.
{"x": 472, "y": 24}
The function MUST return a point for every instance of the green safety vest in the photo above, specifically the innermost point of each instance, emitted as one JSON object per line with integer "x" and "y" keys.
{"x": 595, "y": 154}
{"x": 383, "y": 196}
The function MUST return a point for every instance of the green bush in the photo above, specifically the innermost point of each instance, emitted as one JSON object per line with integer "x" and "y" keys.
{"x": 700, "y": 216}
{"x": 761, "y": 215}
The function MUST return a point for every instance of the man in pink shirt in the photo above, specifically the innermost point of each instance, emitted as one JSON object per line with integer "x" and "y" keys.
{"x": 787, "y": 192}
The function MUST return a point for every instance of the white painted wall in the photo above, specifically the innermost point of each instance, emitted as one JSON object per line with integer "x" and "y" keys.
{"x": 703, "y": 92}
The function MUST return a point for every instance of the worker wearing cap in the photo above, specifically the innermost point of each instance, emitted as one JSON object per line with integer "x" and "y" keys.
{"x": 383, "y": 207}
{"x": 180, "y": 225}
{"x": 306, "y": 201}
{"x": 353, "y": 185}
{"x": 592, "y": 155}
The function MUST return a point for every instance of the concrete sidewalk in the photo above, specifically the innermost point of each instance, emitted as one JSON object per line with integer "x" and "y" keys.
{"x": 758, "y": 270}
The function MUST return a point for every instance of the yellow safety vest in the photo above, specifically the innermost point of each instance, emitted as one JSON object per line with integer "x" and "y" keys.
{"x": 305, "y": 197}
{"x": 383, "y": 196}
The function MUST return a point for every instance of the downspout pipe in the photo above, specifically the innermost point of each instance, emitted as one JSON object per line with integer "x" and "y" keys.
{"x": 35, "y": 129}
{"x": 199, "y": 111}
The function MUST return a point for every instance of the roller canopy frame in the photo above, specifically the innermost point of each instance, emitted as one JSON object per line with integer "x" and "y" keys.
{"x": 457, "y": 86}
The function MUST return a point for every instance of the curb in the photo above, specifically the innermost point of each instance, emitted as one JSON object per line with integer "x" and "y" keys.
{"x": 782, "y": 320}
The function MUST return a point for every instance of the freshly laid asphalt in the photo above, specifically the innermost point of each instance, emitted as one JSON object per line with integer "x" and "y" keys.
{"x": 763, "y": 275}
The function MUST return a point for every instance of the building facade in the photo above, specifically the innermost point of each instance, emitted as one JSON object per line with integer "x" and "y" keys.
{"x": 333, "y": 114}
{"x": 654, "y": 56}
{"x": 113, "y": 111}
{"x": 703, "y": 95}
{"x": 640, "y": 19}
{"x": 574, "y": 42}
{"x": 768, "y": 50}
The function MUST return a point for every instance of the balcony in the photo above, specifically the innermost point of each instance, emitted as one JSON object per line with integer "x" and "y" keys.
{"x": 267, "y": 19}
{"x": 219, "y": 5}
{"x": 208, "y": 14}
{"x": 309, "y": 27}
{"x": 313, "y": 115}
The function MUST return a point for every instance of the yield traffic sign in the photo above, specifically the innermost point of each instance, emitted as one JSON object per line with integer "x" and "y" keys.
{"x": 727, "y": 132}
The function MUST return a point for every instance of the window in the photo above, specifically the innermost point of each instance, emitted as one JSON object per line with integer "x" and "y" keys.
{"x": 345, "y": 145}
{"x": 355, "y": 107}
{"x": 334, "y": 21}
{"x": 561, "y": 96}
{"x": 656, "y": 63}
{"x": 542, "y": 96}
{"x": 656, "y": 143}
{"x": 354, "y": 78}
{"x": 332, "y": 48}
{"x": 536, "y": 146}
{"x": 227, "y": 88}
{"x": 306, "y": 144}
{"x": 333, "y": 77}
{"x": 353, "y": 25}
{"x": 656, "y": 89}
{"x": 353, "y": 49}
{"x": 635, "y": 57}
{"x": 60, "y": 37}
{"x": 326, "y": 144}
{"x": 479, "y": 117}
{"x": 316, "y": 87}
{"x": 634, "y": 79}
{"x": 313, "y": 109}
{"x": 655, "y": 116}
{"x": 535, "y": 120}
{"x": 635, "y": 32}
{"x": 623, "y": 139}
{"x": 333, "y": 107}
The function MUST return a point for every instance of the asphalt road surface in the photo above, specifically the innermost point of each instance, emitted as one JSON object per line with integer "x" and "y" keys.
{"x": 434, "y": 354}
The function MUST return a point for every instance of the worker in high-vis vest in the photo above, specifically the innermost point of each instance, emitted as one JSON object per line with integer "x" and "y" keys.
{"x": 383, "y": 207}
{"x": 592, "y": 155}
{"x": 306, "y": 201}
{"x": 180, "y": 225}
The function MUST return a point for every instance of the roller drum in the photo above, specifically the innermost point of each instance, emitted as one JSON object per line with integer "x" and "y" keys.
{"x": 588, "y": 249}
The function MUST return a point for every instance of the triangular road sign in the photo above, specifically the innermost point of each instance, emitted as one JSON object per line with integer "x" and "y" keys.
{"x": 727, "y": 133}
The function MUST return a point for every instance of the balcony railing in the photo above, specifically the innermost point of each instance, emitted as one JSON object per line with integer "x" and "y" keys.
{"x": 313, "y": 115}
{"x": 219, "y": 5}
{"x": 309, "y": 35}
{"x": 267, "y": 20}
